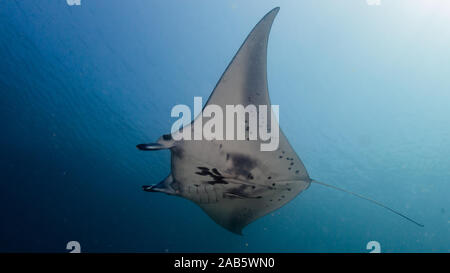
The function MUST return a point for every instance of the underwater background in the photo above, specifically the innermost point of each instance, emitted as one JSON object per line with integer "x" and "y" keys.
{"x": 364, "y": 95}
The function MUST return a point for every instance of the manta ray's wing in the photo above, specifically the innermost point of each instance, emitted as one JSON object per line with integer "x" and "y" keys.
{"x": 245, "y": 79}
{"x": 233, "y": 181}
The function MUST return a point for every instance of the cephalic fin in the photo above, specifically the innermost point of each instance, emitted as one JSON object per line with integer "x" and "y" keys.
{"x": 150, "y": 147}
{"x": 164, "y": 186}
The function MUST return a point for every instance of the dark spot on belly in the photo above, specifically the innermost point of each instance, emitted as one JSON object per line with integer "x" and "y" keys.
{"x": 215, "y": 175}
{"x": 220, "y": 146}
{"x": 217, "y": 182}
{"x": 289, "y": 189}
{"x": 273, "y": 184}
{"x": 216, "y": 171}
{"x": 203, "y": 171}
{"x": 297, "y": 171}
{"x": 242, "y": 164}
{"x": 292, "y": 163}
{"x": 269, "y": 177}
{"x": 281, "y": 156}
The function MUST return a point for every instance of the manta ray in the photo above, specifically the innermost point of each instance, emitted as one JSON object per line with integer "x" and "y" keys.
{"x": 233, "y": 181}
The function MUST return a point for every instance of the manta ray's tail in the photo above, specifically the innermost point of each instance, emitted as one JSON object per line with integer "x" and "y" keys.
{"x": 370, "y": 200}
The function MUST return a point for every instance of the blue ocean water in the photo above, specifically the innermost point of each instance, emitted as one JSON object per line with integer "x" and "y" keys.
{"x": 364, "y": 95}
